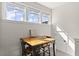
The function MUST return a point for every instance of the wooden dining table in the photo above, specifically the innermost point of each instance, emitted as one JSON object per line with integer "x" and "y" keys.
{"x": 36, "y": 41}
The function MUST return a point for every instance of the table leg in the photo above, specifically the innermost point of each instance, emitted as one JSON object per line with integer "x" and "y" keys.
{"x": 49, "y": 49}
{"x": 54, "y": 49}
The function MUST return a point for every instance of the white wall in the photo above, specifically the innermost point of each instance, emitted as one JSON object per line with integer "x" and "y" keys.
{"x": 67, "y": 16}
{"x": 11, "y": 32}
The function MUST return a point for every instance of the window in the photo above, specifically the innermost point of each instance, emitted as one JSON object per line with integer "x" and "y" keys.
{"x": 45, "y": 19}
{"x": 62, "y": 34}
{"x": 14, "y": 12}
{"x": 33, "y": 16}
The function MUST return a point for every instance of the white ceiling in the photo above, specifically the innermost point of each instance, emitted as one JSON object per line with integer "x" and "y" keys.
{"x": 52, "y": 5}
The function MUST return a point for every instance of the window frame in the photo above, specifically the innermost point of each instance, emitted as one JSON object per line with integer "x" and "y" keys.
{"x": 18, "y": 7}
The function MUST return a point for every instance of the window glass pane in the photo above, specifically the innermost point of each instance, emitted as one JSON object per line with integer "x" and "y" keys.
{"x": 10, "y": 13}
{"x": 10, "y": 4}
{"x": 19, "y": 15}
{"x": 33, "y": 17}
{"x": 45, "y": 19}
{"x": 36, "y": 18}
{"x": 14, "y": 13}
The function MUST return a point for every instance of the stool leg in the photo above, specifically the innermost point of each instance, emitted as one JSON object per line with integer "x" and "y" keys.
{"x": 32, "y": 53}
{"x": 43, "y": 51}
{"x": 49, "y": 49}
{"x": 54, "y": 49}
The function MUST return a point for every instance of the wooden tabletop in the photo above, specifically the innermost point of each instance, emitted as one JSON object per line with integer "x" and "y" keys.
{"x": 38, "y": 41}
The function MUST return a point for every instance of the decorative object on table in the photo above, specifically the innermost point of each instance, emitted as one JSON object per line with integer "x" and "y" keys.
{"x": 30, "y": 32}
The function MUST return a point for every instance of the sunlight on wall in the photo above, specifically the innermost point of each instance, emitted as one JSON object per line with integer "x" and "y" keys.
{"x": 58, "y": 29}
{"x": 63, "y": 35}
{"x": 66, "y": 38}
{"x": 71, "y": 44}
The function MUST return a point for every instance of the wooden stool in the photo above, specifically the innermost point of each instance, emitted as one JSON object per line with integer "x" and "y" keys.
{"x": 25, "y": 50}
